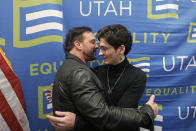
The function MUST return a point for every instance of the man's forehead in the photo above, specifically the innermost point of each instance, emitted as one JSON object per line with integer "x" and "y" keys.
{"x": 88, "y": 35}
{"x": 103, "y": 42}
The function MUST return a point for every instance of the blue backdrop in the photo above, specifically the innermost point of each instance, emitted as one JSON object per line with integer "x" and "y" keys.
{"x": 164, "y": 46}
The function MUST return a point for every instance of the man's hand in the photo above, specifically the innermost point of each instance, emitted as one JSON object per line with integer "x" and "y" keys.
{"x": 153, "y": 105}
{"x": 64, "y": 122}
{"x": 48, "y": 93}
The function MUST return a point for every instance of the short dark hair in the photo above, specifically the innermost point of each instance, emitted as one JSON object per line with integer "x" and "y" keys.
{"x": 74, "y": 34}
{"x": 116, "y": 35}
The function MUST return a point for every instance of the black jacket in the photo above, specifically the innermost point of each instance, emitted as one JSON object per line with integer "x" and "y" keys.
{"x": 77, "y": 89}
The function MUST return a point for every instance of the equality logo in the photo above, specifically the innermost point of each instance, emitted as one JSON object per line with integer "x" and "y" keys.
{"x": 44, "y": 106}
{"x": 37, "y": 22}
{"x": 142, "y": 62}
{"x": 161, "y": 9}
{"x": 192, "y": 33}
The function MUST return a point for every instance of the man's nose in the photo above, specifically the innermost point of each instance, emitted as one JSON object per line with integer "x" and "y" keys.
{"x": 96, "y": 46}
{"x": 100, "y": 52}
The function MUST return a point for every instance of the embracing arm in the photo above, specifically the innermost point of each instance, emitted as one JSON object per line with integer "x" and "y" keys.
{"x": 91, "y": 104}
{"x": 68, "y": 120}
{"x": 133, "y": 93}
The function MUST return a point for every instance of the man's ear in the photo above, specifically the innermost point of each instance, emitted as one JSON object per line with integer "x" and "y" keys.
{"x": 121, "y": 49}
{"x": 77, "y": 44}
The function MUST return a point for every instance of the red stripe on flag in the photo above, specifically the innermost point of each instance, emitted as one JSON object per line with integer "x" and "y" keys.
{"x": 13, "y": 80}
{"x": 8, "y": 115}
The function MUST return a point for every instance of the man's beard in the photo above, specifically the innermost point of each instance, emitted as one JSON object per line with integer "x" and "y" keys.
{"x": 89, "y": 56}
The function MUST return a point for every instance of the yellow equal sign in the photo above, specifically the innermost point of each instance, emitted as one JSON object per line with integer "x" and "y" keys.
{"x": 17, "y": 25}
{"x": 192, "y": 33}
{"x": 161, "y": 7}
{"x": 143, "y": 63}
